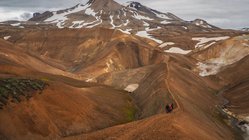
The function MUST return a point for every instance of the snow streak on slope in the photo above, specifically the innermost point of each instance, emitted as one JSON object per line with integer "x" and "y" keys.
{"x": 141, "y": 17}
{"x": 147, "y": 35}
{"x": 160, "y": 15}
{"x": 127, "y": 31}
{"x": 15, "y": 24}
{"x": 165, "y": 22}
{"x": 166, "y": 44}
{"x": 6, "y": 37}
{"x": 204, "y": 40}
{"x": 90, "y": 11}
{"x": 131, "y": 87}
{"x": 112, "y": 23}
{"x": 77, "y": 24}
{"x": 131, "y": 18}
{"x": 60, "y": 18}
{"x": 177, "y": 50}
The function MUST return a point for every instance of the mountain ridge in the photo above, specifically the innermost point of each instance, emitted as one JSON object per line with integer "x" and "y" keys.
{"x": 130, "y": 18}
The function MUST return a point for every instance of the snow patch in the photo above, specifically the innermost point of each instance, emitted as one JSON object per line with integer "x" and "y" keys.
{"x": 15, "y": 24}
{"x": 140, "y": 17}
{"x": 131, "y": 87}
{"x": 6, "y": 37}
{"x": 90, "y": 12}
{"x": 112, "y": 22}
{"x": 204, "y": 40}
{"x": 60, "y": 24}
{"x": 186, "y": 28}
{"x": 208, "y": 45}
{"x": 177, "y": 50}
{"x": 202, "y": 24}
{"x": 166, "y": 44}
{"x": 60, "y": 19}
{"x": 146, "y": 24}
{"x": 147, "y": 35}
{"x": 91, "y": 24}
{"x": 126, "y": 23}
{"x": 165, "y": 22}
{"x": 124, "y": 12}
{"x": 127, "y": 31}
{"x": 160, "y": 15}
{"x": 199, "y": 23}
{"x": 77, "y": 24}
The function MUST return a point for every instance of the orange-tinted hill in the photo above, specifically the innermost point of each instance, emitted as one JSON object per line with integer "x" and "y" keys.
{"x": 100, "y": 79}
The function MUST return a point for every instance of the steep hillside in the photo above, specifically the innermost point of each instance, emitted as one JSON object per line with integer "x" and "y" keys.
{"x": 152, "y": 77}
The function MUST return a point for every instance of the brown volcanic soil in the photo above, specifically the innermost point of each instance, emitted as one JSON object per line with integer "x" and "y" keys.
{"x": 174, "y": 126}
{"x": 78, "y": 110}
{"x": 17, "y": 57}
{"x": 90, "y": 49}
{"x": 232, "y": 78}
{"x": 238, "y": 97}
{"x": 62, "y": 110}
{"x": 237, "y": 91}
{"x": 152, "y": 94}
{"x": 189, "y": 121}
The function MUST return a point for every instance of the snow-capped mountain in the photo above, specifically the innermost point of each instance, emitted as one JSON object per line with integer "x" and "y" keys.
{"x": 131, "y": 18}
{"x": 245, "y": 29}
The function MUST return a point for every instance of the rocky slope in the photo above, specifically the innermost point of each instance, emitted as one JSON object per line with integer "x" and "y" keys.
{"x": 112, "y": 84}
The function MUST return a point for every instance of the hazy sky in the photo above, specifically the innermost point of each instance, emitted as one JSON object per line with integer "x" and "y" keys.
{"x": 222, "y": 13}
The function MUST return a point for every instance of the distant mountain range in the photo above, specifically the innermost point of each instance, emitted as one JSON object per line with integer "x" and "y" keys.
{"x": 245, "y": 29}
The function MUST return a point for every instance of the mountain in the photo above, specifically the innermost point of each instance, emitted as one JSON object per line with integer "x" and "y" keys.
{"x": 131, "y": 18}
{"x": 245, "y": 29}
{"x": 88, "y": 71}
{"x": 93, "y": 78}
{"x": 95, "y": 67}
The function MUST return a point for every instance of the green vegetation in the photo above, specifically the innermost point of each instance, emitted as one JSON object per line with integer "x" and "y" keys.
{"x": 130, "y": 113}
{"x": 15, "y": 90}
{"x": 45, "y": 79}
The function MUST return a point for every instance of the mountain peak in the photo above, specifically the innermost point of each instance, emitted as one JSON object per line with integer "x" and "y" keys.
{"x": 133, "y": 4}
{"x": 102, "y": 4}
{"x": 100, "y": 1}
{"x": 202, "y": 23}
{"x": 245, "y": 29}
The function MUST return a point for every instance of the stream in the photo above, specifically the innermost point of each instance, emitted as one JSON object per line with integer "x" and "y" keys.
{"x": 240, "y": 126}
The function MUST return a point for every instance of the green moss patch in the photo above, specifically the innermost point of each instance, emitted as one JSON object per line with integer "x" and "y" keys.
{"x": 130, "y": 113}
{"x": 15, "y": 90}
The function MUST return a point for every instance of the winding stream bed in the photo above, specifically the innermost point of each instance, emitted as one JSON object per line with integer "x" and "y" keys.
{"x": 238, "y": 124}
